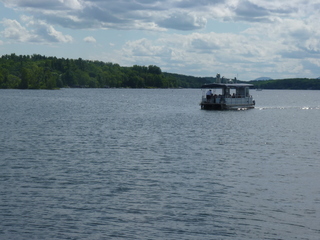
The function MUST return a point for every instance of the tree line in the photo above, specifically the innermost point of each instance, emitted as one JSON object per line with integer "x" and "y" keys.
{"x": 292, "y": 83}
{"x": 41, "y": 72}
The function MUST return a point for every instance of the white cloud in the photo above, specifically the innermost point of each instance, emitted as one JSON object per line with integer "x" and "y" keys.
{"x": 172, "y": 14}
{"x": 13, "y": 30}
{"x": 33, "y": 31}
{"x": 89, "y": 39}
{"x": 183, "y": 21}
{"x": 155, "y": 15}
{"x": 276, "y": 37}
{"x": 73, "y": 4}
{"x": 39, "y": 5}
{"x": 270, "y": 48}
{"x": 55, "y": 35}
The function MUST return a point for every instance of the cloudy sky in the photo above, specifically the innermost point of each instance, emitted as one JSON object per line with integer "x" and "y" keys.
{"x": 236, "y": 38}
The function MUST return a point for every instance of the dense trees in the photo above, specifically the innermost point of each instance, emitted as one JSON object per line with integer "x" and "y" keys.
{"x": 40, "y": 72}
{"x": 294, "y": 83}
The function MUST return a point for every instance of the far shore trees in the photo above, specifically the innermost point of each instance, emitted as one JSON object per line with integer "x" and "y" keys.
{"x": 41, "y": 72}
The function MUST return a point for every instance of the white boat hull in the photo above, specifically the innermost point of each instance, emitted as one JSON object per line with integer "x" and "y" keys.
{"x": 227, "y": 103}
{"x": 230, "y": 96}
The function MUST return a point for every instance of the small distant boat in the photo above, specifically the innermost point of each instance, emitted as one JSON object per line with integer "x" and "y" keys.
{"x": 258, "y": 89}
{"x": 230, "y": 96}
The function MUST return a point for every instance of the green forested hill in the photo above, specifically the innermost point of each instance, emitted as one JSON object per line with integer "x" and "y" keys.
{"x": 41, "y": 72}
{"x": 188, "y": 81}
{"x": 293, "y": 83}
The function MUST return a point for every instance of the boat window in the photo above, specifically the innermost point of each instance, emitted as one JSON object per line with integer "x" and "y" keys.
{"x": 247, "y": 91}
{"x": 240, "y": 92}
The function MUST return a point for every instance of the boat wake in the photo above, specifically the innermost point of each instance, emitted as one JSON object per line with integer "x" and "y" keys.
{"x": 281, "y": 108}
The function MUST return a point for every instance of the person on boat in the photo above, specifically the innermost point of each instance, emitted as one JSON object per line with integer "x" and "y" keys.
{"x": 209, "y": 94}
{"x": 214, "y": 98}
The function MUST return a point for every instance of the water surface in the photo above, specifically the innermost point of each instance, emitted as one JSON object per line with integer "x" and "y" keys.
{"x": 149, "y": 164}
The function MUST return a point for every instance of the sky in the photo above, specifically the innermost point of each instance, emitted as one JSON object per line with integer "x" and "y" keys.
{"x": 246, "y": 39}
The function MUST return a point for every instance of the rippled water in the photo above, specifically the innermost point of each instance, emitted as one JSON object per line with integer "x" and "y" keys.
{"x": 149, "y": 164}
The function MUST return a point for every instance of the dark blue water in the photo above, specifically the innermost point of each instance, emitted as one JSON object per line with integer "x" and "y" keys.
{"x": 149, "y": 164}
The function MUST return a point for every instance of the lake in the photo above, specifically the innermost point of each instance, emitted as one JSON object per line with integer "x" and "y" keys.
{"x": 149, "y": 164}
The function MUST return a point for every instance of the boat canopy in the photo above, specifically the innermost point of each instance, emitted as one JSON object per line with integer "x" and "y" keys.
{"x": 226, "y": 85}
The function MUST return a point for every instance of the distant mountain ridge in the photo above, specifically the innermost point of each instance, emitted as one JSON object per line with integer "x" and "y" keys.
{"x": 262, "y": 79}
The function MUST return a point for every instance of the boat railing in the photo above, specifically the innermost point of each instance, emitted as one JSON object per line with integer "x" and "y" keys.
{"x": 227, "y": 99}
{"x": 241, "y": 100}
{"x": 212, "y": 99}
